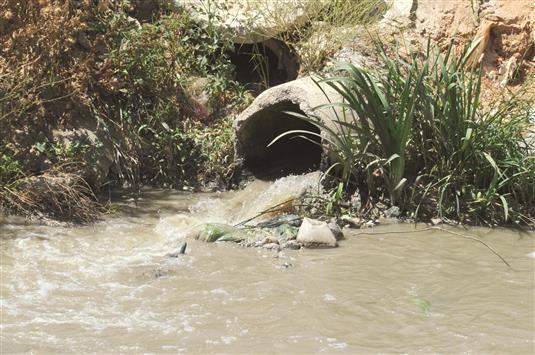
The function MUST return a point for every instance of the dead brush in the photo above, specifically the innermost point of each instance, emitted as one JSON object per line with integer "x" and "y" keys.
{"x": 60, "y": 193}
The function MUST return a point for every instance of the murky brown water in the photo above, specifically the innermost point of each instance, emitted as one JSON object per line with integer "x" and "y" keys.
{"x": 111, "y": 288}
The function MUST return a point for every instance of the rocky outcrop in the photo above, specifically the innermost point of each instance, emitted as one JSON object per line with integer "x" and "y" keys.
{"x": 96, "y": 148}
{"x": 506, "y": 29}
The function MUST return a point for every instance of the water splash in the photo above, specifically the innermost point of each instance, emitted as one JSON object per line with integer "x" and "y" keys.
{"x": 257, "y": 197}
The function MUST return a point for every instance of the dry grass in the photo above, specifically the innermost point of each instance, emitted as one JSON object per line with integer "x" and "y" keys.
{"x": 59, "y": 193}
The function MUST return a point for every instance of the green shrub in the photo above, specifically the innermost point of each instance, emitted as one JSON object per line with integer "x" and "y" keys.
{"x": 61, "y": 153}
{"x": 10, "y": 170}
{"x": 154, "y": 64}
{"x": 216, "y": 144}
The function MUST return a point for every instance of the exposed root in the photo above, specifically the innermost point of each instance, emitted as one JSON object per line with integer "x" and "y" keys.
{"x": 482, "y": 37}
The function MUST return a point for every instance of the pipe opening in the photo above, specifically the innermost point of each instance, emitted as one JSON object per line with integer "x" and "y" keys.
{"x": 290, "y": 154}
{"x": 264, "y": 64}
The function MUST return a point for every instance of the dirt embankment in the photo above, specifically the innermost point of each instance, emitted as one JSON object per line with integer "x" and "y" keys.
{"x": 505, "y": 29}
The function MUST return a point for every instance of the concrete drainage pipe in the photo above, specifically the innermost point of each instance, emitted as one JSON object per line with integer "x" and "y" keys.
{"x": 266, "y": 118}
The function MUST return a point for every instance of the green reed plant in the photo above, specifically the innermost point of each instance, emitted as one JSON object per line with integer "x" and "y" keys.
{"x": 381, "y": 105}
{"x": 375, "y": 120}
{"x": 418, "y": 121}
{"x": 472, "y": 157}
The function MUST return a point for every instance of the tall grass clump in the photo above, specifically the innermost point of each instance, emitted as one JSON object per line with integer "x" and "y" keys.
{"x": 415, "y": 131}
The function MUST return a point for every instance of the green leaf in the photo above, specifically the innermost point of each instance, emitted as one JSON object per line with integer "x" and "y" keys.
{"x": 423, "y": 304}
{"x": 41, "y": 147}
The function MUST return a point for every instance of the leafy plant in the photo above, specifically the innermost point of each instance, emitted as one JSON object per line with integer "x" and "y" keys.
{"x": 10, "y": 170}
{"x": 61, "y": 153}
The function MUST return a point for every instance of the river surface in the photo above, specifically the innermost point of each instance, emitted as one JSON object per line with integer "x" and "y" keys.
{"x": 110, "y": 287}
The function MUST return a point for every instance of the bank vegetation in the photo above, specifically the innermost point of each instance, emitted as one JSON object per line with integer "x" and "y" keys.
{"x": 98, "y": 95}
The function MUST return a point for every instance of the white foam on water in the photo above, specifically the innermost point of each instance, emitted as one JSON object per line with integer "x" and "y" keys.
{"x": 338, "y": 346}
{"x": 219, "y": 291}
{"x": 255, "y": 198}
{"x": 329, "y": 298}
{"x": 228, "y": 339}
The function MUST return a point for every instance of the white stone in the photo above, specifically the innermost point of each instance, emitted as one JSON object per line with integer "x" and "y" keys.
{"x": 314, "y": 233}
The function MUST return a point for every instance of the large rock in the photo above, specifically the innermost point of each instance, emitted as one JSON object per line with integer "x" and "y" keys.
{"x": 316, "y": 234}
{"x": 399, "y": 13}
{"x": 254, "y": 21}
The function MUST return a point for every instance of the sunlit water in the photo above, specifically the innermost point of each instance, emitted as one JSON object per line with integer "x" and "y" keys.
{"x": 110, "y": 287}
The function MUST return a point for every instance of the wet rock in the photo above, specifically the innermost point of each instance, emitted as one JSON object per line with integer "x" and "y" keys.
{"x": 289, "y": 219}
{"x": 211, "y": 232}
{"x": 292, "y": 244}
{"x": 337, "y": 231}
{"x": 270, "y": 240}
{"x": 393, "y": 212}
{"x": 316, "y": 234}
{"x": 236, "y": 236}
{"x": 353, "y": 222}
{"x": 193, "y": 232}
{"x": 436, "y": 221}
{"x": 286, "y": 232}
{"x": 271, "y": 246}
{"x": 371, "y": 223}
{"x": 181, "y": 251}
